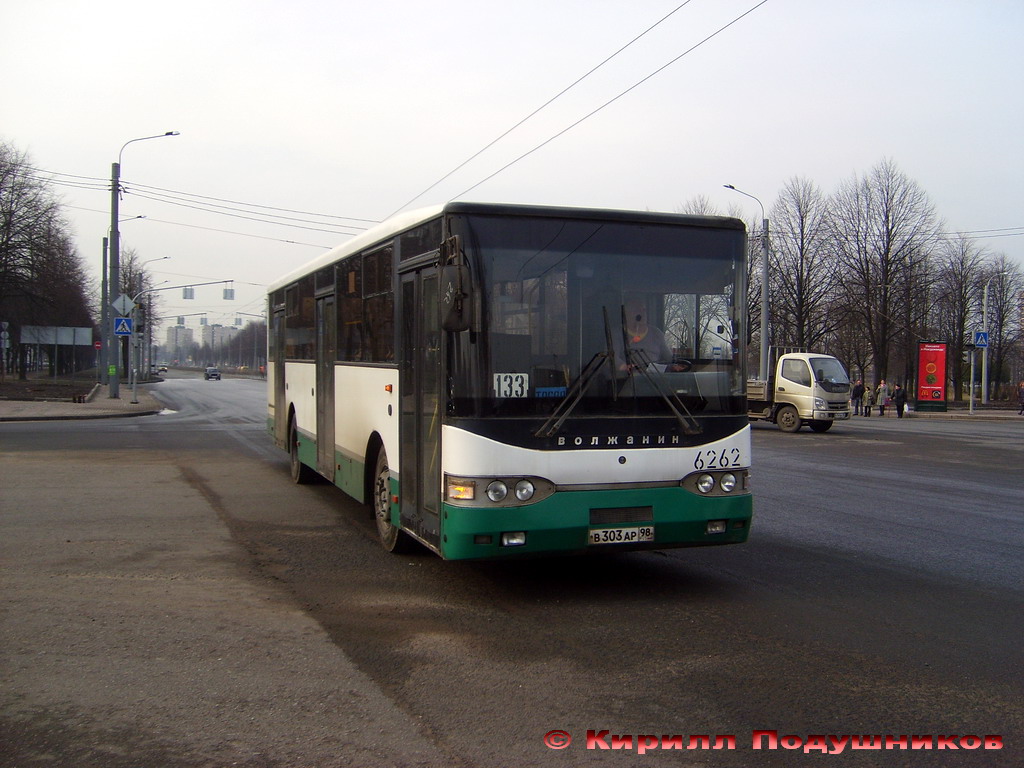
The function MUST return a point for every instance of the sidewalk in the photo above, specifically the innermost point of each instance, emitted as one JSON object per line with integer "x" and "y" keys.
{"x": 98, "y": 405}
{"x": 955, "y": 414}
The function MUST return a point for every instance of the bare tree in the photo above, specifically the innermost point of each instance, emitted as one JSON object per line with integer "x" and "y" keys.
{"x": 883, "y": 225}
{"x": 698, "y": 205}
{"x": 957, "y": 298}
{"x": 803, "y": 267}
{"x": 1005, "y": 282}
{"x": 42, "y": 281}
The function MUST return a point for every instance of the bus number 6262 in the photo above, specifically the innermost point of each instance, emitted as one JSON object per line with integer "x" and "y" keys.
{"x": 711, "y": 459}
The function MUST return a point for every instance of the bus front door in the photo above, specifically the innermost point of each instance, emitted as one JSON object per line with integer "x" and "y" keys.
{"x": 420, "y": 426}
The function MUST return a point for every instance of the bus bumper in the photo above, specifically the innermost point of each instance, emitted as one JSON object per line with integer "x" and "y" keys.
{"x": 566, "y": 522}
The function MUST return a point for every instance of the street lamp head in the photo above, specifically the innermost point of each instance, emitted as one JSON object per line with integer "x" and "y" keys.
{"x": 144, "y": 138}
{"x": 729, "y": 186}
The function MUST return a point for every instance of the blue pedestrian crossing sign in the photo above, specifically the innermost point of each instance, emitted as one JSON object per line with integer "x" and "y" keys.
{"x": 981, "y": 339}
{"x": 123, "y": 326}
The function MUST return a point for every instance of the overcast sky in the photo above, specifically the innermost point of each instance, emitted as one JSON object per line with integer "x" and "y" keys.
{"x": 352, "y": 109}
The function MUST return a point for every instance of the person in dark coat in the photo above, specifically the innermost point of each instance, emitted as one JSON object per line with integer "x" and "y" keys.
{"x": 856, "y": 395}
{"x": 899, "y": 399}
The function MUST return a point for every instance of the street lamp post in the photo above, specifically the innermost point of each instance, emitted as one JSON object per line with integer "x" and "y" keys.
{"x": 115, "y": 260}
{"x": 763, "y": 362}
{"x": 105, "y": 325}
{"x": 984, "y": 351}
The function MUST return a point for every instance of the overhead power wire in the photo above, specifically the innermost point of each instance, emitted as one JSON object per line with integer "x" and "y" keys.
{"x": 104, "y": 184}
{"x": 175, "y": 200}
{"x": 253, "y": 205}
{"x": 558, "y": 95}
{"x": 215, "y": 229}
{"x": 246, "y": 218}
{"x": 614, "y": 99}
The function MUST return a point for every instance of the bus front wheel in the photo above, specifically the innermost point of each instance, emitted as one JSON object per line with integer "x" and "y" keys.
{"x": 391, "y": 537}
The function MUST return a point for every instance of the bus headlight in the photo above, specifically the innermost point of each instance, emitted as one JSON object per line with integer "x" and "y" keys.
{"x": 497, "y": 491}
{"x": 717, "y": 482}
{"x": 524, "y": 490}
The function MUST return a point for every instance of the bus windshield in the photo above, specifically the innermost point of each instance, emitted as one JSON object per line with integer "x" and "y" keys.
{"x": 619, "y": 316}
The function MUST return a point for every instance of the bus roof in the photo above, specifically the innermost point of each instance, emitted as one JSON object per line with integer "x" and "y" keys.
{"x": 411, "y": 219}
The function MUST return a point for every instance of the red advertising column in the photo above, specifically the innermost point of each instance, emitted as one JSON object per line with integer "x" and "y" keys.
{"x": 931, "y": 376}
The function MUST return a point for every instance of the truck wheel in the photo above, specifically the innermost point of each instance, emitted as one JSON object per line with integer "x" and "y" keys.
{"x": 788, "y": 419}
{"x": 822, "y": 426}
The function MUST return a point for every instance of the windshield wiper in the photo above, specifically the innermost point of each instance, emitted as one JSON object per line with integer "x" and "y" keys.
{"x": 640, "y": 361}
{"x": 579, "y": 387}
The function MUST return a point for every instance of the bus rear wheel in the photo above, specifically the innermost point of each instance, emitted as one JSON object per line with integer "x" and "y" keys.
{"x": 788, "y": 419}
{"x": 391, "y": 537}
{"x": 301, "y": 474}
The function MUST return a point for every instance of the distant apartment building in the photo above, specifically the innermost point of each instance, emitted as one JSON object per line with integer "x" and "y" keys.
{"x": 179, "y": 342}
{"x": 214, "y": 336}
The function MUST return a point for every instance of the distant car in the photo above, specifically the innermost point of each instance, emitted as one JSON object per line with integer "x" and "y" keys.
{"x": 212, "y": 373}
{"x": 162, "y": 368}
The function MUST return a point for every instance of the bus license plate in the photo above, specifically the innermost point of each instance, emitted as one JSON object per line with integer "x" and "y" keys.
{"x": 629, "y": 535}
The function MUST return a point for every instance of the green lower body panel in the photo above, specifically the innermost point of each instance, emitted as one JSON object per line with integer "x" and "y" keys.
{"x": 349, "y": 475}
{"x": 563, "y": 523}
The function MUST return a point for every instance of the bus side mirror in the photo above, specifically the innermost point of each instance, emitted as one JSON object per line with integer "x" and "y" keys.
{"x": 455, "y": 305}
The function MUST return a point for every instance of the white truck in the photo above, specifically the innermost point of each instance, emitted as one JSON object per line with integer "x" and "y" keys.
{"x": 802, "y": 388}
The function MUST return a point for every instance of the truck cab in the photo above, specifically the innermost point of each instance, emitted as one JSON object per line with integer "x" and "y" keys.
{"x": 802, "y": 388}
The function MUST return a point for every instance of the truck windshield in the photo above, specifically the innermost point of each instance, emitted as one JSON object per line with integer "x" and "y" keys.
{"x": 830, "y": 374}
{"x": 615, "y": 312}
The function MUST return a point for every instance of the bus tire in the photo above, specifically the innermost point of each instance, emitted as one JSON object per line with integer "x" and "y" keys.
{"x": 391, "y": 537}
{"x": 788, "y": 419}
{"x": 822, "y": 426}
{"x": 301, "y": 474}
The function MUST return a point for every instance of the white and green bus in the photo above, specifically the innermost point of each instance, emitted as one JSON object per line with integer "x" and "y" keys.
{"x": 507, "y": 380}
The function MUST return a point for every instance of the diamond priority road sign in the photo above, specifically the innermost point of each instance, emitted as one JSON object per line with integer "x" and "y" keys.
{"x": 123, "y": 304}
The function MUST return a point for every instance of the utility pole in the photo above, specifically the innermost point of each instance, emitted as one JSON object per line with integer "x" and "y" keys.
{"x": 115, "y": 256}
{"x": 984, "y": 351}
{"x": 764, "y": 297}
{"x": 763, "y": 362}
{"x": 104, "y": 320}
{"x": 114, "y": 354}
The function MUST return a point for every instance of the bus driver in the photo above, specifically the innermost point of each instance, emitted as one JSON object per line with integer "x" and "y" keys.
{"x": 644, "y": 338}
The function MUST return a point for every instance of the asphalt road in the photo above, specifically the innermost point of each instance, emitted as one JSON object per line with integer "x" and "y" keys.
{"x": 171, "y": 599}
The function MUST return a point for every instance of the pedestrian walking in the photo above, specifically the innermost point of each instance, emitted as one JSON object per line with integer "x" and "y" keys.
{"x": 856, "y": 395}
{"x": 882, "y": 397}
{"x": 867, "y": 400}
{"x": 1020, "y": 399}
{"x": 899, "y": 399}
